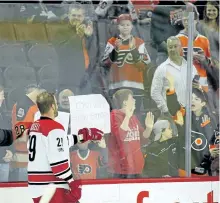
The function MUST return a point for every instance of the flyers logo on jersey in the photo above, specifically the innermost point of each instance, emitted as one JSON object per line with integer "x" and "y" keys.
{"x": 124, "y": 56}
{"x": 84, "y": 169}
{"x": 199, "y": 141}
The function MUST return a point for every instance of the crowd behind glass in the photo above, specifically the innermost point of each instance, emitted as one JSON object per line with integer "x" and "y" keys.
{"x": 135, "y": 55}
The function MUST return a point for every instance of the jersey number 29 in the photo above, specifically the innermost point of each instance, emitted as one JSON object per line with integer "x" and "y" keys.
{"x": 32, "y": 147}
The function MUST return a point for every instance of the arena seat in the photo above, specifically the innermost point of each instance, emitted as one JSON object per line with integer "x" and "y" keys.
{"x": 12, "y": 54}
{"x": 48, "y": 72}
{"x": 41, "y": 55}
{"x": 19, "y": 75}
{"x": 49, "y": 85}
{"x": 14, "y": 95}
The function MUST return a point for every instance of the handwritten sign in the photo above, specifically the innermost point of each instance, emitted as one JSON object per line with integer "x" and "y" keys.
{"x": 63, "y": 118}
{"x": 90, "y": 111}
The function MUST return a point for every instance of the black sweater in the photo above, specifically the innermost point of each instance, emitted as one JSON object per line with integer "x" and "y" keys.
{"x": 166, "y": 22}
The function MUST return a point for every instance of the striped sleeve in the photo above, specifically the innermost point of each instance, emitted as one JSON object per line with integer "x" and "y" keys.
{"x": 58, "y": 154}
{"x": 110, "y": 55}
{"x": 144, "y": 56}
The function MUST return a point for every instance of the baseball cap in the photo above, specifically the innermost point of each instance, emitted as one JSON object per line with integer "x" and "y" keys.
{"x": 159, "y": 126}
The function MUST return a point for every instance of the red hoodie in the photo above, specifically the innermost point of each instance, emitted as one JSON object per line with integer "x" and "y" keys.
{"x": 125, "y": 156}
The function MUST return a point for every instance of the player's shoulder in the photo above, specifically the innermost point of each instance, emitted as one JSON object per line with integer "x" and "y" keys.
{"x": 203, "y": 38}
{"x": 46, "y": 126}
{"x": 181, "y": 35}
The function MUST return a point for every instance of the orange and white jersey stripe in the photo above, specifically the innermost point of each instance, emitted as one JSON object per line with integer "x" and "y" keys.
{"x": 200, "y": 43}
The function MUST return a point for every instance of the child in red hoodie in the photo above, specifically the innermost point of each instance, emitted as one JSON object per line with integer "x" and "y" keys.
{"x": 124, "y": 144}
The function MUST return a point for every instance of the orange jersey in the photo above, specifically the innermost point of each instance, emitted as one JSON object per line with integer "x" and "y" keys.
{"x": 22, "y": 117}
{"x": 126, "y": 71}
{"x": 200, "y": 43}
{"x": 84, "y": 168}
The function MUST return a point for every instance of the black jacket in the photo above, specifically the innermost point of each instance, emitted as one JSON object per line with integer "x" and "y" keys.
{"x": 6, "y": 138}
{"x": 166, "y": 22}
{"x": 161, "y": 159}
{"x": 69, "y": 47}
{"x": 200, "y": 136}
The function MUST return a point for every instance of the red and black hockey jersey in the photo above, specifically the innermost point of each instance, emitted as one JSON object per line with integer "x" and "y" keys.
{"x": 49, "y": 161}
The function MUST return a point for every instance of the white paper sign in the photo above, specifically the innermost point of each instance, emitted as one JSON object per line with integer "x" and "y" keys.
{"x": 89, "y": 111}
{"x": 63, "y": 118}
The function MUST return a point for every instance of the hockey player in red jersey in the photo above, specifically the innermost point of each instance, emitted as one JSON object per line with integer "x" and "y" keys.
{"x": 49, "y": 162}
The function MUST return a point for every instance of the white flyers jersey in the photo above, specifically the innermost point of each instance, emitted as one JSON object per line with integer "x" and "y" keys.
{"x": 49, "y": 161}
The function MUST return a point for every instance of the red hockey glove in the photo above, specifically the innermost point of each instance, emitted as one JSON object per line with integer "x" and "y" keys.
{"x": 90, "y": 134}
{"x": 75, "y": 192}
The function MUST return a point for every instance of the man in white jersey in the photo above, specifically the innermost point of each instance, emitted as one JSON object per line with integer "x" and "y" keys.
{"x": 48, "y": 148}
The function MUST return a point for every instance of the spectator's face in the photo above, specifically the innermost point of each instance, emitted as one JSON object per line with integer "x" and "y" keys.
{"x": 167, "y": 133}
{"x": 174, "y": 48}
{"x": 197, "y": 103}
{"x": 125, "y": 27}
{"x": 76, "y": 16}
{"x": 83, "y": 146}
{"x": 185, "y": 21}
{"x": 63, "y": 99}
{"x": 130, "y": 103}
{"x": 211, "y": 12}
{"x": 2, "y": 97}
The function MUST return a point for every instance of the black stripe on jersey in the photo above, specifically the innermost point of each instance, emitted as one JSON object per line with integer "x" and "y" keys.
{"x": 61, "y": 173}
{"x": 60, "y": 162}
{"x": 75, "y": 139}
{"x": 40, "y": 172}
{"x": 68, "y": 178}
{"x": 46, "y": 183}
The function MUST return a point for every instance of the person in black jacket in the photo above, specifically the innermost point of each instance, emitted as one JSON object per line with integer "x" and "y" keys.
{"x": 166, "y": 22}
{"x": 161, "y": 155}
{"x": 77, "y": 50}
{"x": 202, "y": 127}
{"x": 6, "y": 137}
{"x": 5, "y": 140}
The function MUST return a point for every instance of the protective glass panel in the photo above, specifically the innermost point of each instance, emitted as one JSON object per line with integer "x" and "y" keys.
{"x": 121, "y": 68}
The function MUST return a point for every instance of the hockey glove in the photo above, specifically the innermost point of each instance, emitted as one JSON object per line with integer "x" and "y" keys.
{"x": 74, "y": 194}
{"x": 86, "y": 134}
